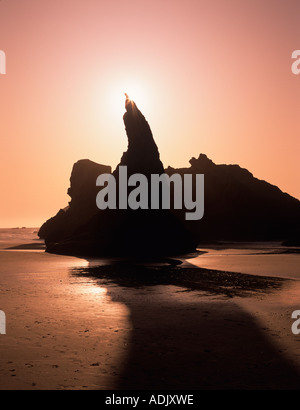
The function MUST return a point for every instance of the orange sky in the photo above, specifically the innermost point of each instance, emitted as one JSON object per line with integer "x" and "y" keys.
{"x": 211, "y": 77}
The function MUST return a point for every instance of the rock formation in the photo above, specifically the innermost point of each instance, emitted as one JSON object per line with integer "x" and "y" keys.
{"x": 238, "y": 207}
{"x": 82, "y": 206}
{"x": 82, "y": 229}
{"x": 142, "y": 154}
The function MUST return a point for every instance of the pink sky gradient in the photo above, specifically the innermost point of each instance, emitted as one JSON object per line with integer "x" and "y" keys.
{"x": 214, "y": 77}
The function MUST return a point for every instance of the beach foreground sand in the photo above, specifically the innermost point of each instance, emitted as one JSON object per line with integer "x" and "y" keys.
{"x": 78, "y": 324}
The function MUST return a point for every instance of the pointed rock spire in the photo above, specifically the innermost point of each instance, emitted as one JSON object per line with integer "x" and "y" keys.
{"x": 142, "y": 155}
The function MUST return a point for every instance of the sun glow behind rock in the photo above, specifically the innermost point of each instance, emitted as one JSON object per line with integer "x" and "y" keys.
{"x": 135, "y": 91}
{"x": 107, "y": 107}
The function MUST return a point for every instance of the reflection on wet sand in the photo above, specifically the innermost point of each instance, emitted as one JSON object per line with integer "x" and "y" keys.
{"x": 201, "y": 339}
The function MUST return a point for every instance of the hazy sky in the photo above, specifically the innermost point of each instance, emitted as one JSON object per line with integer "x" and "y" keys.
{"x": 210, "y": 76}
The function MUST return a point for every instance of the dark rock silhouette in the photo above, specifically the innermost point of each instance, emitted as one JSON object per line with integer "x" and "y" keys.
{"x": 238, "y": 207}
{"x": 82, "y": 206}
{"x": 83, "y": 229}
{"x": 142, "y": 155}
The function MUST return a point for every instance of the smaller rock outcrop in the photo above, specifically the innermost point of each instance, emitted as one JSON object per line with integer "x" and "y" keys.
{"x": 82, "y": 206}
{"x": 240, "y": 207}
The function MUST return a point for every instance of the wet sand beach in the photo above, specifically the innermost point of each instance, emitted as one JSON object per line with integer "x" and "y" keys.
{"x": 73, "y": 323}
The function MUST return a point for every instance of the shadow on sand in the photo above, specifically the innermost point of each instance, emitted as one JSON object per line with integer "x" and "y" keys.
{"x": 187, "y": 332}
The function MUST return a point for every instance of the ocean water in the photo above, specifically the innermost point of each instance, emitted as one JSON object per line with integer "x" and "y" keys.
{"x": 22, "y": 254}
{"x": 266, "y": 259}
{"x": 18, "y": 234}
{"x": 258, "y": 258}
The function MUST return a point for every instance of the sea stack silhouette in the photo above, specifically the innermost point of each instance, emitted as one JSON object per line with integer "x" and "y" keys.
{"x": 82, "y": 229}
{"x": 238, "y": 207}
